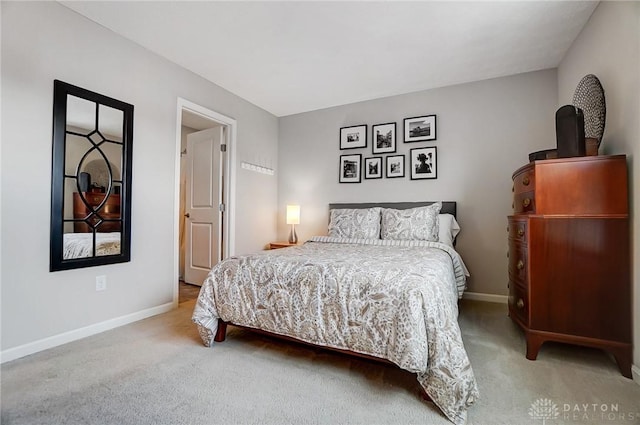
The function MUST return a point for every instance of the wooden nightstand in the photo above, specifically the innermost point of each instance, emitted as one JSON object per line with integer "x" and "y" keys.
{"x": 277, "y": 245}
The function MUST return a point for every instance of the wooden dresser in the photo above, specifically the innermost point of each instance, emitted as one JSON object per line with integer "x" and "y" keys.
{"x": 109, "y": 211}
{"x": 569, "y": 258}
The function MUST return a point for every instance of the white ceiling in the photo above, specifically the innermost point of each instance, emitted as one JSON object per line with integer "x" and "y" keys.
{"x": 292, "y": 57}
{"x": 197, "y": 122}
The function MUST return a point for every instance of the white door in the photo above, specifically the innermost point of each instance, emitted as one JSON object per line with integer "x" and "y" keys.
{"x": 203, "y": 199}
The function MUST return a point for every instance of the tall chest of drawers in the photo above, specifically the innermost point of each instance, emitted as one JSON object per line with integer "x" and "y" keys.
{"x": 569, "y": 258}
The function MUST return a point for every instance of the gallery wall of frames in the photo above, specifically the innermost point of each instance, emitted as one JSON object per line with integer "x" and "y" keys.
{"x": 383, "y": 160}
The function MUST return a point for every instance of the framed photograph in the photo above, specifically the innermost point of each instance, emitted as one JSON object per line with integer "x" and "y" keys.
{"x": 383, "y": 138}
{"x": 420, "y": 129}
{"x": 424, "y": 163}
{"x": 350, "y": 168}
{"x": 353, "y": 137}
{"x": 373, "y": 167}
{"x": 395, "y": 166}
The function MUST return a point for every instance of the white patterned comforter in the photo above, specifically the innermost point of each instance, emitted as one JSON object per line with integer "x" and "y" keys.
{"x": 396, "y": 300}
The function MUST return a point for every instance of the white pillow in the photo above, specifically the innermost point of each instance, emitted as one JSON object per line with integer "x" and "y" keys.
{"x": 419, "y": 224}
{"x": 448, "y": 228}
{"x": 355, "y": 223}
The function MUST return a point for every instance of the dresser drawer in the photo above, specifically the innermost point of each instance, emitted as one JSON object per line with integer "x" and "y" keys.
{"x": 524, "y": 203}
{"x": 518, "y": 230}
{"x": 524, "y": 181}
{"x": 518, "y": 303}
{"x": 94, "y": 198}
{"x": 518, "y": 263}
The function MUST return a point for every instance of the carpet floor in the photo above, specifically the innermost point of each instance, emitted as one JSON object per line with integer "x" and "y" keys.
{"x": 156, "y": 371}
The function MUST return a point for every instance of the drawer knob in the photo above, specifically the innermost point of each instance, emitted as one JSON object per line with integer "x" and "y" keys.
{"x": 526, "y": 202}
{"x": 507, "y": 254}
{"x": 521, "y": 232}
{"x": 525, "y": 181}
{"x": 520, "y": 265}
{"x": 520, "y": 303}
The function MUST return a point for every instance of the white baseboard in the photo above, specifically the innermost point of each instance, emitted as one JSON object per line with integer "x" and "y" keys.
{"x": 66, "y": 337}
{"x": 490, "y": 298}
{"x": 635, "y": 372}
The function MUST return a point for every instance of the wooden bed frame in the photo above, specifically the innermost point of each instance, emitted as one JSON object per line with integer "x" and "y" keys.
{"x": 448, "y": 207}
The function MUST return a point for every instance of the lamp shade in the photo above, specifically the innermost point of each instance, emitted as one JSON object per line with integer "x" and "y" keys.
{"x": 293, "y": 214}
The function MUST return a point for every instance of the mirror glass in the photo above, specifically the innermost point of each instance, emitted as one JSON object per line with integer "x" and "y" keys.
{"x": 91, "y": 179}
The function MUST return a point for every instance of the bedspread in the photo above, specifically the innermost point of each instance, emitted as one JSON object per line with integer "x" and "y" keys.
{"x": 388, "y": 299}
{"x": 80, "y": 245}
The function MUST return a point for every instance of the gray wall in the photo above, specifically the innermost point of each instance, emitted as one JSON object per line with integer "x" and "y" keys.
{"x": 609, "y": 47}
{"x": 45, "y": 41}
{"x": 485, "y": 131}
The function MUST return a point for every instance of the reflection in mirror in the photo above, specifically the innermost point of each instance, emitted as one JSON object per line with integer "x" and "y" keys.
{"x": 90, "y": 202}
{"x": 93, "y": 160}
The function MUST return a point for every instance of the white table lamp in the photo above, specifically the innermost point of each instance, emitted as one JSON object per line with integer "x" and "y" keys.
{"x": 293, "y": 218}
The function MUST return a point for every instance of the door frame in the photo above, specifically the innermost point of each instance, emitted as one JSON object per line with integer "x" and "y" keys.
{"x": 229, "y": 185}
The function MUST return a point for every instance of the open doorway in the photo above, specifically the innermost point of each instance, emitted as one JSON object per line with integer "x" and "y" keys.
{"x": 205, "y": 140}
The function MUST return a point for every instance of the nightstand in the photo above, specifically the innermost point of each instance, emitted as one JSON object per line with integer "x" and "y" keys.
{"x": 284, "y": 244}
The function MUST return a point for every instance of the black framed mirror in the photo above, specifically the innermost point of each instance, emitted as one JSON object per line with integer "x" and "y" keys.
{"x": 90, "y": 179}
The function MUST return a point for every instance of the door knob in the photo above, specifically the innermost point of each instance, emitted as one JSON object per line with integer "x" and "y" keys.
{"x": 187, "y": 215}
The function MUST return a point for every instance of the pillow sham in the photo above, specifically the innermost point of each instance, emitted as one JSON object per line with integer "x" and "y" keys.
{"x": 355, "y": 223}
{"x": 412, "y": 224}
{"x": 448, "y": 229}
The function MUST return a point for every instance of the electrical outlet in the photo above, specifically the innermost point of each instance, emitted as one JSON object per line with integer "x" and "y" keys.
{"x": 101, "y": 283}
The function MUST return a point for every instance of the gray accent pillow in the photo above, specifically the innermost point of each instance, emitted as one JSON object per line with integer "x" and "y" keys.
{"x": 355, "y": 223}
{"x": 412, "y": 224}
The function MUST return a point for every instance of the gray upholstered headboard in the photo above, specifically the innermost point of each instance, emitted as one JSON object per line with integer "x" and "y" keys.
{"x": 448, "y": 207}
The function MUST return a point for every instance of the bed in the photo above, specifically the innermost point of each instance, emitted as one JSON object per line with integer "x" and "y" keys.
{"x": 388, "y": 292}
{"x": 80, "y": 245}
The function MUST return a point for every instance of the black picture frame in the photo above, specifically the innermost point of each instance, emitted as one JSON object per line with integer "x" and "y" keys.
{"x": 424, "y": 163}
{"x": 350, "y": 168}
{"x": 394, "y": 166}
{"x": 353, "y": 137}
{"x": 383, "y": 138}
{"x": 420, "y": 129}
{"x": 373, "y": 168}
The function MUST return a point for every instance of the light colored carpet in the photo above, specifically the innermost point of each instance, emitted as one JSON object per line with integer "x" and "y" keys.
{"x": 157, "y": 371}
